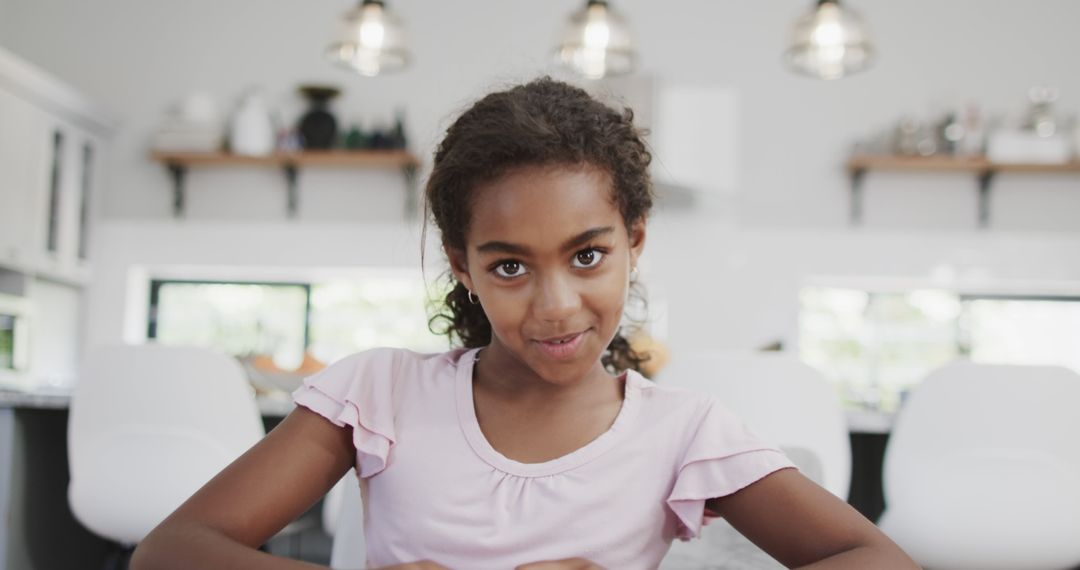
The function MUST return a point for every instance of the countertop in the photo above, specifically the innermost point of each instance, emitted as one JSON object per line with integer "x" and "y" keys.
{"x": 278, "y": 405}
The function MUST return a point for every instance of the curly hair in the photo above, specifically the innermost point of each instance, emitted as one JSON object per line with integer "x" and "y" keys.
{"x": 542, "y": 122}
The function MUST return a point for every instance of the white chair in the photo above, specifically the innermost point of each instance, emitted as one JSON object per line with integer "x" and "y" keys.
{"x": 149, "y": 425}
{"x": 786, "y": 403}
{"x": 343, "y": 519}
{"x": 982, "y": 470}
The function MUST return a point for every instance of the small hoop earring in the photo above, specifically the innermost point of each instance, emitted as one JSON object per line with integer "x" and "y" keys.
{"x": 633, "y": 273}
{"x": 473, "y": 298}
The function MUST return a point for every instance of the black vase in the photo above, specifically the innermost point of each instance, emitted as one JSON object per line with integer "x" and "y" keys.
{"x": 318, "y": 127}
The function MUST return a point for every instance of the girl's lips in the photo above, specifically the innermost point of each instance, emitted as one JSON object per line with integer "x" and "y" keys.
{"x": 561, "y": 348}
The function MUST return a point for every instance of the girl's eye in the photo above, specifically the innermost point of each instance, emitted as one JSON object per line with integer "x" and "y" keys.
{"x": 510, "y": 269}
{"x": 588, "y": 258}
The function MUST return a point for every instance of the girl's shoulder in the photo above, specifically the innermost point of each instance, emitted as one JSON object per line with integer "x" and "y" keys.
{"x": 389, "y": 363}
{"x": 690, "y": 415}
{"x": 379, "y": 373}
{"x": 665, "y": 399}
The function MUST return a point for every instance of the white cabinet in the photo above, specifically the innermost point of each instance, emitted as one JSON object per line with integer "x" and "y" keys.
{"x": 51, "y": 154}
{"x": 21, "y": 160}
{"x": 67, "y": 188}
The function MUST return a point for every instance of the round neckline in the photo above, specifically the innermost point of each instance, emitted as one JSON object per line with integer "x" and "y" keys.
{"x": 470, "y": 425}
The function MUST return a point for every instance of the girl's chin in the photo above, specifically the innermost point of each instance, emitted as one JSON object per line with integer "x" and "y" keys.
{"x": 559, "y": 369}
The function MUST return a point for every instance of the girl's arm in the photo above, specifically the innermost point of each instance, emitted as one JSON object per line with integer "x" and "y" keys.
{"x": 223, "y": 524}
{"x": 804, "y": 526}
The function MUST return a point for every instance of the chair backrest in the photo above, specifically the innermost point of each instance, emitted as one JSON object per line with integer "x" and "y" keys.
{"x": 149, "y": 425}
{"x": 782, "y": 400}
{"x": 347, "y": 526}
{"x": 982, "y": 466}
{"x": 967, "y": 416}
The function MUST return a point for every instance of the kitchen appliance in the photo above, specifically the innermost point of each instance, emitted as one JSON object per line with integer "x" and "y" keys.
{"x": 14, "y": 342}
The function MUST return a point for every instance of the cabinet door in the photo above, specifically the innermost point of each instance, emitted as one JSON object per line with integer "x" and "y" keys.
{"x": 59, "y": 208}
{"x": 21, "y": 155}
{"x": 49, "y": 169}
{"x": 77, "y": 164}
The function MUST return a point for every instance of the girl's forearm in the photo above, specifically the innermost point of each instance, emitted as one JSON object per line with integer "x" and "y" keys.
{"x": 181, "y": 546}
{"x": 885, "y": 557}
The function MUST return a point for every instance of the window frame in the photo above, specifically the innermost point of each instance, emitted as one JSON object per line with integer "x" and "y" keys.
{"x": 157, "y": 284}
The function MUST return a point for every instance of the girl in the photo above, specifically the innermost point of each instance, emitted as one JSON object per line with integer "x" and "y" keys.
{"x": 538, "y": 445}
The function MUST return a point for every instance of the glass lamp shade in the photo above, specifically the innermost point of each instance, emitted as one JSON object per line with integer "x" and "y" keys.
{"x": 596, "y": 43}
{"x": 829, "y": 42}
{"x": 372, "y": 41}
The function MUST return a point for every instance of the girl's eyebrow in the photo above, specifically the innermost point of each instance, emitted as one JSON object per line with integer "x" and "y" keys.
{"x": 574, "y": 242}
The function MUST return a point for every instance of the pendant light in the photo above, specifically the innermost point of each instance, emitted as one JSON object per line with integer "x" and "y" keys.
{"x": 829, "y": 42}
{"x": 596, "y": 43}
{"x": 372, "y": 41}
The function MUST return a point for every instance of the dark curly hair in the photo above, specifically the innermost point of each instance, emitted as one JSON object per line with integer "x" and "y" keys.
{"x": 542, "y": 122}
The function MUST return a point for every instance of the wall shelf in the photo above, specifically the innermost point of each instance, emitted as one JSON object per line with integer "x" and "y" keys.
{"x": 983, "y": 169}
{"x": 179, "y": 162}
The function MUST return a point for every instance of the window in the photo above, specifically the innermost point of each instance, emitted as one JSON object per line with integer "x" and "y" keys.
{"x": 7, "y": 342}
{"x": 234, "y": 317}
{"x": 327, "y": 319}
{"x": 348, "y": 315}
{"x": 84, "y": 198}
{"x": 53, "y": 225}
{"x": 875, "y": 346}
{"x": 1024, "y": 330}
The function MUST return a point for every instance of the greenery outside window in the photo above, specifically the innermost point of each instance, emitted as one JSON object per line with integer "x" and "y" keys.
{"x": 875, "y": 346}
{"x": 326, "y": 320}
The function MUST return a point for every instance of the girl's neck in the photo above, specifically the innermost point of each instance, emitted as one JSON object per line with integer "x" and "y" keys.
{"x": 499, "y": 372}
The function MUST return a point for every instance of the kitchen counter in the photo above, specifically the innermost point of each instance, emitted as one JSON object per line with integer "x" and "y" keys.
{"x": 277, "y": 405}
{"x": 34, "y": 513}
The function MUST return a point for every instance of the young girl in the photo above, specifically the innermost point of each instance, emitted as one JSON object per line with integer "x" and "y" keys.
{"x": 537, "y": 445}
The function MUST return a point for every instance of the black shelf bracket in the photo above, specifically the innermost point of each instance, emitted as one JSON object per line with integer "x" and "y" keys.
{"x": 178, "y": 173}
{"x": 858, "y": 176}
{"x": 410, "y": 172}
{"x": 986, "y": 179}
{"x": 292, "y": 197}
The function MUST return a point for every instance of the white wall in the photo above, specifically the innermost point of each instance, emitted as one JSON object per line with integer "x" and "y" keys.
{"x": 710, "y": 286}
{"x": 729, "y": 288}
{"x": 55, "y": 342}
{"x": 725, "y": 274}
{"x": 137, "y": 57}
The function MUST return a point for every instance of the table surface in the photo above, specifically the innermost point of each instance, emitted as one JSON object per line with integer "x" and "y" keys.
{"x": 277, "y": 405}
{"x": 280, "y": 404}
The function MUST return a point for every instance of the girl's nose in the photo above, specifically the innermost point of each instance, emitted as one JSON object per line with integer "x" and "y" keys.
{"x": 556, "y": 299}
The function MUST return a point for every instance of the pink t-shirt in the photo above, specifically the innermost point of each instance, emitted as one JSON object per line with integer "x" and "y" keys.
{"x": 435, "y": 489}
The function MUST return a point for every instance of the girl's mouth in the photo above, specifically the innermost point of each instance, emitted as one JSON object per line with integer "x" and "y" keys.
{"x": 561, "y": 347}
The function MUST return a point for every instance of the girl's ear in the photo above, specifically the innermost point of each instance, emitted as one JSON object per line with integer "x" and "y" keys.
{"x": 637, "y": 240}
{"x": 459, "y": 265}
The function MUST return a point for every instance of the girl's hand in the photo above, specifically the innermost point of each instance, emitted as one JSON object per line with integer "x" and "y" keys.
{"x": 567, "y": 564}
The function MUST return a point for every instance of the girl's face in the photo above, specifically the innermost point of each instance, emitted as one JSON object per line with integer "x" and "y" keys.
{"x": 549, "y": 256}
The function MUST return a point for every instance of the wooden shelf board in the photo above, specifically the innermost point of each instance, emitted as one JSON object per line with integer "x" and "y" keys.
{"x": 1073, "y": 166}
{"x": 948, "y": 163}
{"x": 365, "y": 158}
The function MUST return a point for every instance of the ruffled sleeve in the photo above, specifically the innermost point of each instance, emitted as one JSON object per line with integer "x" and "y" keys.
{"x": 721, "y": 457}
{"x": 357, "y": 391}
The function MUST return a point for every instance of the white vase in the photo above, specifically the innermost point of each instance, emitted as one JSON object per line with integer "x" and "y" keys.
{"x": 251, "y": 131}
